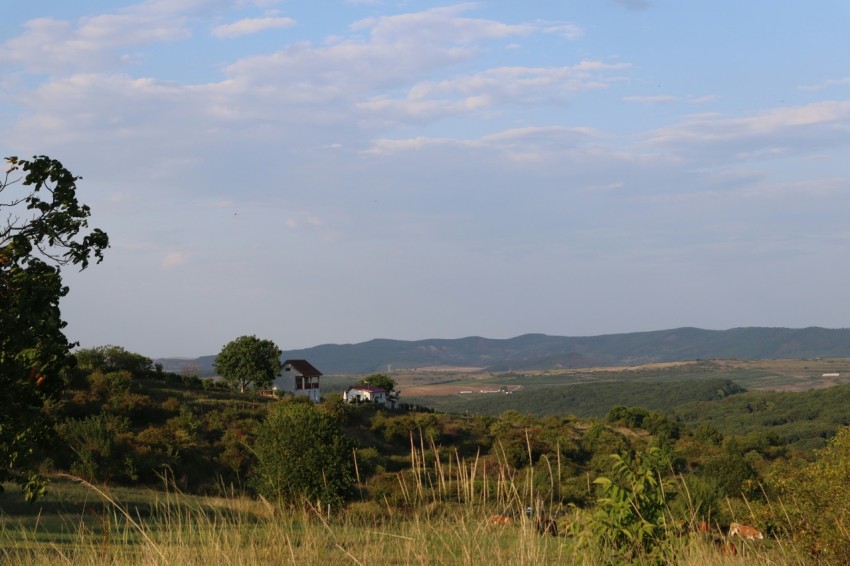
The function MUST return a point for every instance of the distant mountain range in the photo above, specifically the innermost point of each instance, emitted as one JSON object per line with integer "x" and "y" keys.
{"x": 540, "y": 351}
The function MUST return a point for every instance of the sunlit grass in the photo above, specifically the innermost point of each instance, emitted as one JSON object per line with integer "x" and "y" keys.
{"x": 441, "y": 515}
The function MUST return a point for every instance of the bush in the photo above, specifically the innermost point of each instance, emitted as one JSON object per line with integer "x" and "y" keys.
{"x": 99, "y": 447}
{"x": 732, "y": 475}
{"x": 303, "y": 454}
{"x": 817, "y": 502}
{"x": 631, "y": 522}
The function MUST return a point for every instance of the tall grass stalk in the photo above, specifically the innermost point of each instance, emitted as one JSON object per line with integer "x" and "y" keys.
{"x": 441, "y": 517}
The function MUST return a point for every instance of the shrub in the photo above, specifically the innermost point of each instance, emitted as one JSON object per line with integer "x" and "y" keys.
{"x": 631, "y": 518}
{"x": 817, "y": 502}
{"x": 98, "y": 446}
{"x": 732, "y": 476}
{"x": 303, "y": 454}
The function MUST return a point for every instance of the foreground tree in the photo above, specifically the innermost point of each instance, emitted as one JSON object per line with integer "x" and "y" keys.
{"x": 42, "y": 228}
{"x": 303, "y": 455}
{"x": 248, "y": 361}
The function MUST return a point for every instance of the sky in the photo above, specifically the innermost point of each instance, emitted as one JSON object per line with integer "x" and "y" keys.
{"x": 337, "y": 171}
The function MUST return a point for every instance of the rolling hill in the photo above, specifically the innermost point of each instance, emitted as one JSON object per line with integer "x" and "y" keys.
{"x": 541, "y": 351}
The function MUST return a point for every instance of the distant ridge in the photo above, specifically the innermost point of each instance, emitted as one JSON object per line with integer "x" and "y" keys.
{"x": 541, "y": 351}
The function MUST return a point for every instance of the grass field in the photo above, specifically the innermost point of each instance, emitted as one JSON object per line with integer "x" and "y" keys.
{"x": 88, "y": 525}
{"x": 80, "y": 524}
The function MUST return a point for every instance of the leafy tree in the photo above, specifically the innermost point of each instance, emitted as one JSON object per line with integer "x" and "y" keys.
{"x": 43, "y": 229}
{"x": 627, "y": 416}
{"x": 379, "y": 380}
{"x": 303, "y": 454}
{"x": 113, "y": 358}
{"x": 248, "y": 361}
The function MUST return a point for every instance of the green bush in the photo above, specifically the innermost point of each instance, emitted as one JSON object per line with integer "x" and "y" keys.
{"x": 731, "y": 475}
{"x": 631, "y": 522}
{"x": 303, "y": 454}
{"x": 99, "y": 446}
{"x": 817, "y": 502}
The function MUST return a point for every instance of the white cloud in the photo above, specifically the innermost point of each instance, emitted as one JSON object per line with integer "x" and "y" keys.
{"x": 527, "y": 140}
{"x": 826, "y": 84}
{"x": 95, "y": 42}
{"x": 804, "y": 127}
{"x": 658, "y": 99}
{"x": 703, "y": 99}
{"x": 567, "y": 31}
{"x": 518, "y": 83}
{"x": 250, "y": 26}
{"x": 439, "y": 25}
{"x": 491, "y": 88}
{"x": 173, "y": 259}
{"x": 396, "y": 50}
{"x": 335, "y": 83}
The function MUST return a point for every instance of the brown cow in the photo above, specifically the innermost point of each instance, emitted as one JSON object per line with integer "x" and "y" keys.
{"x": 726, "y": 547}
{"x": 546, "y": 525}
{"x": 501, "y": 520}
{"x": 744, "y": 531}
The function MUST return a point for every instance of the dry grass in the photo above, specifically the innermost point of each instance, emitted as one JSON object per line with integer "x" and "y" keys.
{"x": 257, "y": 533}
{"x": 442, "y": 515}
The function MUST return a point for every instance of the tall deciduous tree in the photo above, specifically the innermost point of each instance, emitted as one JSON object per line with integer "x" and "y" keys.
{"x": 248, "y": 361}
{"x": 43, "y": 227}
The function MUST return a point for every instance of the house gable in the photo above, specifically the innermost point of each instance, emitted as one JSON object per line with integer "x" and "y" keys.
{"x": 299, "y": 378}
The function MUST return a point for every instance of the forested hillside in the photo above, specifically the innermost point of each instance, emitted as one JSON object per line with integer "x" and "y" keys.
{"x": 540, "y": 351}
{"x": 587, "y": 400}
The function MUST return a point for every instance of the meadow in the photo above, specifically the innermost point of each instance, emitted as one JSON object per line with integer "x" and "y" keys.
{"x": 79, "y": 523}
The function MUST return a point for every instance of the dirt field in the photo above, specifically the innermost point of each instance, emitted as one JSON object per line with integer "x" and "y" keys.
{"x": 454, "y": 389}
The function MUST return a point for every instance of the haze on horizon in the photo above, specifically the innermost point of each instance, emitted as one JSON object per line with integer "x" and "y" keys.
{"x": 340, "y": 171}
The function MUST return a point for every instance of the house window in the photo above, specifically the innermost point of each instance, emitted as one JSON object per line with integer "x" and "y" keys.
{"x": 299, "y": 382}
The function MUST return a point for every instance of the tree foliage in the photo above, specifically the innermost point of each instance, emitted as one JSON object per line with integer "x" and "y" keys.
{"x": 44, "y": 227}
{"x": 818, "y": 501}
{"x": 381, "y": 380}
{"x": 248, "y": 361}
{"x": 303, "y": 454}
{"x": 113, "y": 358}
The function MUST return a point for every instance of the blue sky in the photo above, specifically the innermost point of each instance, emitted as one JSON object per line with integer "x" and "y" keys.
{"x": 332, "y": 172}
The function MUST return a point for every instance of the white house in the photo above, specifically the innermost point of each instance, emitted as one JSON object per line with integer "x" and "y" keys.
{"x": 299, "y": 378}
{"x": 370, "y": 394}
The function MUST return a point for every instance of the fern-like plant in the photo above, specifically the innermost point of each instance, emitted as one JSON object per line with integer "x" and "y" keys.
{"x": 631, "y": 520}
